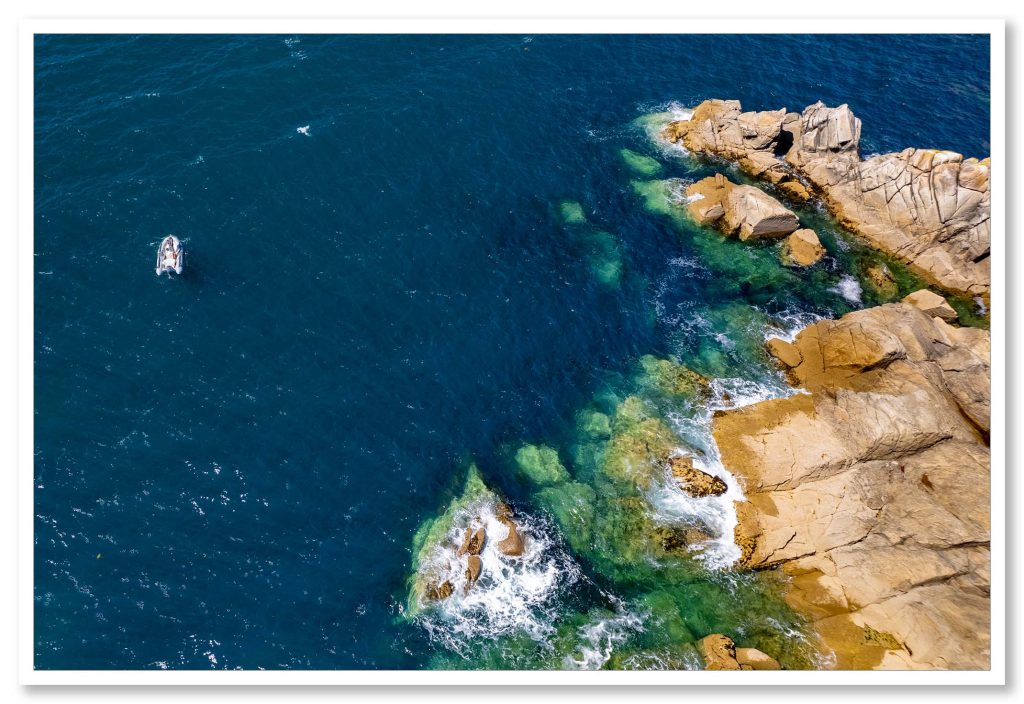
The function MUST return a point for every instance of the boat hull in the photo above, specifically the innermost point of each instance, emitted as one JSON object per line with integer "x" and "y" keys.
{"x": 169, "y": 256}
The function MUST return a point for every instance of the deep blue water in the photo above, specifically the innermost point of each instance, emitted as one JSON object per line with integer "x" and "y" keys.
{"x": 230, "y": 465}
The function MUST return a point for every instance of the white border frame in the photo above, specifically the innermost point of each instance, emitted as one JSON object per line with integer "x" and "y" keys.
{"x": 25, "y": 258}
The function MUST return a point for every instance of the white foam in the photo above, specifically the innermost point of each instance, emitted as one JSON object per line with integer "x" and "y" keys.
{"x": 660, "y": 117}
{"x": 512, "y": 595}
{"x": 599, "y": 638}
{"x": 693, "y": 422}
{"x": 715, "y": 514}
{"x": 849, "y": 288}
{"x": 981, "y": 305}
{"x": 789, "y": 324}
{"x": 677, "y": 112}
{"x": 304, "y": 130}
{"x": 695, "y": 197}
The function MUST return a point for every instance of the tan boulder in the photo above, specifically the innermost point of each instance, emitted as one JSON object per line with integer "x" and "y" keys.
{"x": 437, "y": 592}
{"x": 512, "y": 544}
{"x": 932, "y": 304}
{"x": 719, "y": 652}
{"x": 754, "y": 659}
{"x": 744, "y": 211}
{"x": 802, "y": 248}
{"x": 795, "y": 190}
{"x": 785, "y": 352}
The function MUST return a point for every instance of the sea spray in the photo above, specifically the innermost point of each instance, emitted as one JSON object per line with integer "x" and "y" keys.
{"x": 514, "y": 595}
{"x": 653, "y": 123}
{"x": 600, "y": 635}
{"x": 849, "y": 288}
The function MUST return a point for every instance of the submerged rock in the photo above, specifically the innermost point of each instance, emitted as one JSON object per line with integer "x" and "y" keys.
{"x": 641, "y": 164}
{"x": 572, "y": 213}
{"x": 744, "y": 211}
{"x": 693, "y": 481}
{"x": 675, "y": 379}
{"x": 929, "y": 208}
{"x": 681, "y": 538}
{"x": 636, "y": 449}
{"x": 540, "y": 464}
{"x": 802, "y": 248}
{"x": 595, "y": 424}
{"x": 871, "y": 491}
{"x": 572, "y": 504}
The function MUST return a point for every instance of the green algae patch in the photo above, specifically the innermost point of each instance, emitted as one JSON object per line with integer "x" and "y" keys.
{"x": 666, "y": 618}
{"x": 639, "y": 163}
{"x": 572, "y": 212}
{"x": 674, "y": 379}
{"x": 967, "y": 312}
{"x": 881, "y": 639}
{"x": 594, "y": 424}
{"x": 540, "y": 464}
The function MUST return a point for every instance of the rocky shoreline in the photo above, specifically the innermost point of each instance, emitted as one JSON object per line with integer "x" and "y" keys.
{"x": 870, "y": 486}
{"x": 928, "y": 208}
{"x": 864, "y": 494}
{"x": 872, "y": 490}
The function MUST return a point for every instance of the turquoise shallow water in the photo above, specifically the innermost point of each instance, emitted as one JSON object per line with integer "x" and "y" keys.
{"x": 383, "y": 283}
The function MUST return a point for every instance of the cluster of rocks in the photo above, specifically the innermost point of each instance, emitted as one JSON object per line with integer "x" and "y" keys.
{"x": 927, "y": 207}
{"x": 871, "y": 490}
{"x": 751, "y": 214}
{"x": 720, "y": 653}
{"x": 473, "y": 542}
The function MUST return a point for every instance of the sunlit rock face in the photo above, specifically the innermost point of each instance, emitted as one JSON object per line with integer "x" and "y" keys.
{"x": 871, "y": 490}
{"x": 928, "y": 207}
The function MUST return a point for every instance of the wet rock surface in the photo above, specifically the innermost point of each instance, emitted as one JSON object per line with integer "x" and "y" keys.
{"x": 694, "y": 481}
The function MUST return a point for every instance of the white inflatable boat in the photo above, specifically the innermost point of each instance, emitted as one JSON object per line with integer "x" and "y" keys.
{"x": 169, "y": 257}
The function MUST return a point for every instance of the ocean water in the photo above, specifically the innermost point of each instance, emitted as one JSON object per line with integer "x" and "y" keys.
{"x": 406, "y": 255}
